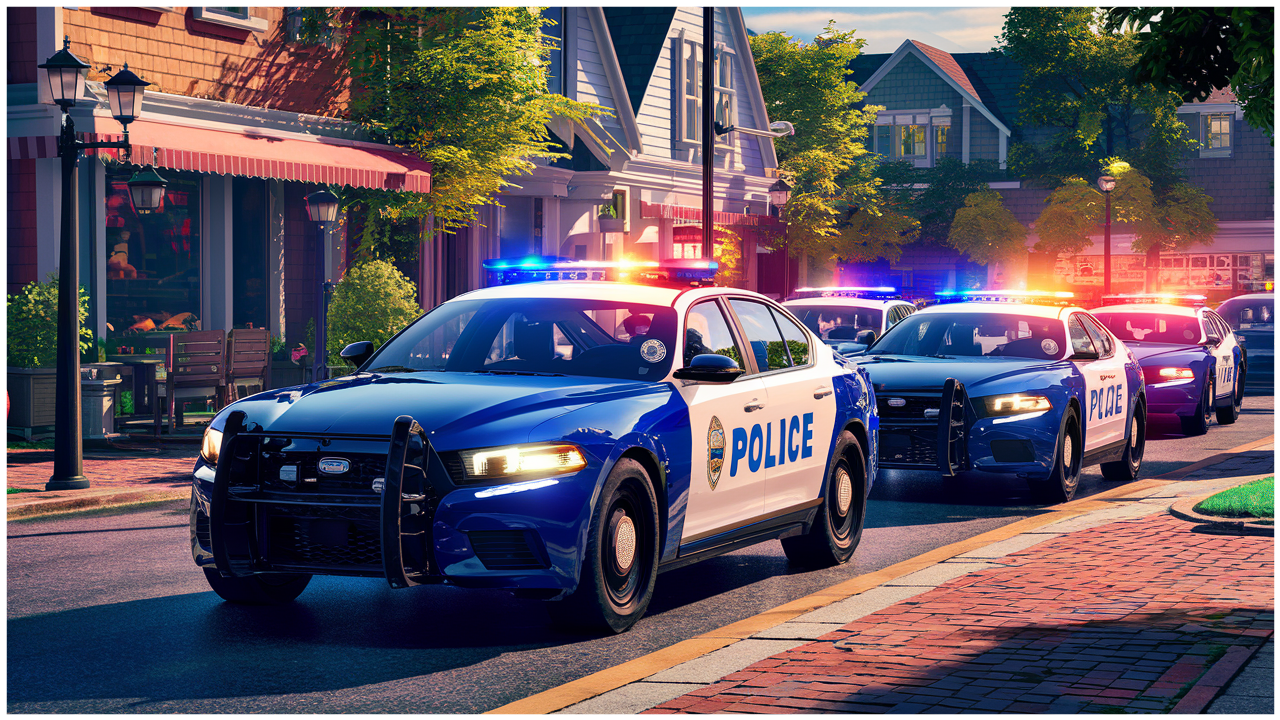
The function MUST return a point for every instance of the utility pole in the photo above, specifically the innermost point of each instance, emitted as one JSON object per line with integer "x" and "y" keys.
{"x": 708, "y": 132}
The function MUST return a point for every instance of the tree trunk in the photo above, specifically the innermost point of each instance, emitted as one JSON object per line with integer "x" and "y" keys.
{"x": 1153, "y": 268}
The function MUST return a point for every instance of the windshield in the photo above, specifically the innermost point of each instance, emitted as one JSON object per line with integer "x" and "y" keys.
{"x": 1151, "y": 327}
{"x": 969, "y": 334}
{"x": 536, "y": 336}
{"x": 837, "y": 322}
{"x": 1243, "y": 314}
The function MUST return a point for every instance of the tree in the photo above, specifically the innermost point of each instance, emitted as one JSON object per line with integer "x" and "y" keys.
{"x": 985, "y": 230}
{"x": 372, "y": 302}
{"x": 1196, "y": 50}
{"x": 464, "y": 88}
{"x": 946, "y": 185}
{"x": 836, "y": 209}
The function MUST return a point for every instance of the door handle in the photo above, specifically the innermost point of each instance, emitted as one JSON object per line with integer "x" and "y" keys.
{"x": 820, "y": 392}
{"x": 753, "y": 406}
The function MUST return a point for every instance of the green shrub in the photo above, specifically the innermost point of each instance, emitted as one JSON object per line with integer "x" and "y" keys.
{"x": 373, "y": 302}
{"x": 33, "y": 325}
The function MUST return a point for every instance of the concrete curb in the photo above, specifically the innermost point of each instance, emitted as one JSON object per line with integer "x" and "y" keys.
{"x": 91, "y": 500}
{"x": 1185, "y": 510}
{"x": 1217, "y": 677}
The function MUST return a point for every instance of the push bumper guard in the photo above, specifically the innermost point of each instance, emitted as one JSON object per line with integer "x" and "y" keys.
{"x": 408, "y": 500}
{"x": 936, "y": 440}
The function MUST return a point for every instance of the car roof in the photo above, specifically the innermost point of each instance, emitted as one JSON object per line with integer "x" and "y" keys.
{"x": 1003, "y": 308}
{"x": 1152, "y": 309}
{"x": 1252, "y": 297}
{"x": 584, "y": 289}
{"x": 850, "y": 301}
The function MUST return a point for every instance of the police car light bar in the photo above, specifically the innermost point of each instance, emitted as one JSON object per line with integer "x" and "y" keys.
{"x": 1155, "y": 299}
{"x": 870, "y": 293}
{"x": 1025, "y": 297}
{"x": 682, "y": 273}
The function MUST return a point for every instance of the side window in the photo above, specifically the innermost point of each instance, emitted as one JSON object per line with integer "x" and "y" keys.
{"x": 1101, "y": 339}
{"x": 1080, "y": 340}
{"x": 797, "y": 340}
{"x": 1210, "y": 328}
{"x": 1221, "y": 324}
{"x": 762, "y": 335}
{"x": 706, "y": 332}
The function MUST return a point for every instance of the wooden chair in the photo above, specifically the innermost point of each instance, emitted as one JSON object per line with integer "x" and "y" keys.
{"x": 196, "y": 366}
{"x": 248, "y": 361}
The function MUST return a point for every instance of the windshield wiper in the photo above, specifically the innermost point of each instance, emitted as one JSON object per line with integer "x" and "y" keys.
{"x": 519, "y": 372}
{"x": 944, "y": 357}
{"x": 387, "y": 369}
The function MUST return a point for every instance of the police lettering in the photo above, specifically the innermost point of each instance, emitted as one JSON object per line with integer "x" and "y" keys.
{"x": 757, "y": 446}
{"x": 1106, "y": 402}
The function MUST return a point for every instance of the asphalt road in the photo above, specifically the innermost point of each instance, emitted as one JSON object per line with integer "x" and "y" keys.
{"x": 108, "y": 614}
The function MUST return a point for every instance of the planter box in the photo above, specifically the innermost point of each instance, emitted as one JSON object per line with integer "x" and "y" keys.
{"x": 611, "y": 225}
{"x": 33, "y": 393}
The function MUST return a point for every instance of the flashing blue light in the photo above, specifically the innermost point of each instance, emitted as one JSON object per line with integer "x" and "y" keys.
{"x": 1026, "y": 297}
{"x": 695, "y": 273}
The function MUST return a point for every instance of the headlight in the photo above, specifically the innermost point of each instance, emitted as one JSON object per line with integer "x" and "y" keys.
{"x": 998, "y": 405}
{"x": 1176, "y": 374}
{"x": 211, "y": 445}
{"x": 519, "y": 462}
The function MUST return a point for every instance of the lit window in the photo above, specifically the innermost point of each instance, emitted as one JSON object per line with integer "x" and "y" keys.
{"x": 1216, "y": 135}
{"x": 940, "y": 140}
{"x": 911, "y": 141}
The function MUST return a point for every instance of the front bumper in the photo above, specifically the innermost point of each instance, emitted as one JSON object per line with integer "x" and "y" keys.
{"x": 420, "y": 527}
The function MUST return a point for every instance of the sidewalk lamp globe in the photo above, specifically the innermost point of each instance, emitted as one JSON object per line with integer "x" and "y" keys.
{"x": 322, "y": 206}
{"x": 146, "y": 190}
{"x": 1106, "y": 183}
{"x": 66, "y": 74}
{"x": 124, "y": 94}
{"x": 779, "y": 193}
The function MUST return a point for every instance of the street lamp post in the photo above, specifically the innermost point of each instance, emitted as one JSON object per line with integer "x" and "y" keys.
{"x": 779, "y": 194}
{"x": 322, "y": 208}
{"x": 1106, "y": 184}
{"x": 65, "y": 74}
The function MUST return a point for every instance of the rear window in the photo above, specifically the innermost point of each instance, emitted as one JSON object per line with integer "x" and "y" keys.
{"x": 838, "y": 322}
{"x": 1151, "y": 327}
{"x": 1242, "y": 314}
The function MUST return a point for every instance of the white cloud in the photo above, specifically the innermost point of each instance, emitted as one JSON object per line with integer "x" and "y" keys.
{"x": 954, "y": 29}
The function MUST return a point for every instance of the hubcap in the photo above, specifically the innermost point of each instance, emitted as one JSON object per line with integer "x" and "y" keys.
{"x": 624, "y": 543}
{"x": 1133, "y": 433}
{"x": 844, "y": 492}
{"x": 1068, "y": 452}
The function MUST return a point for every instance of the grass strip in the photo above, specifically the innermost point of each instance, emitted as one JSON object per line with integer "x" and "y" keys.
{"x": 1255, "y": 499}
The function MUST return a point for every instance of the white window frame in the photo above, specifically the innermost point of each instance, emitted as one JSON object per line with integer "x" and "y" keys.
{"x": 221, "y": 16}
{"x": 726, "y": 96}
{"x": 1224, "y": 151}
{"x": 896, "y": 119}
{"x": 729, "y": 94}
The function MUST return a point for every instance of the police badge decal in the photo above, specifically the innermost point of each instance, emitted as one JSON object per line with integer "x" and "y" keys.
{"x": 715, "y": 451}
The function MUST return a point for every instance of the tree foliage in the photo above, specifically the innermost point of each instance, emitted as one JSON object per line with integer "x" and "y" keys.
{"x": 932, "y": 195}
{"x": 464, "y": 88}
{"x": 373, "y": 302}
{"x": 986, "y": 230}
{"x": 836, "y": 208}
{"x": 1195, "y": 50}
{"x": 33, "y": 324}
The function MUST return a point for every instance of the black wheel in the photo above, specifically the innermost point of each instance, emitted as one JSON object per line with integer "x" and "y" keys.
{"x": 1198, "y": 424}
{"x": 1060, "y": 485}
{"x": 268, "y": 589}
{"x": 838, "y": 527}
{"x": 1229, "y": 414}
{"x": 1126, "y": 468}
{"x": 621, "y": 561}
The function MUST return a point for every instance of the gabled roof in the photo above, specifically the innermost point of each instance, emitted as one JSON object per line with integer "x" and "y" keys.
{"x": 638, "y": 35}
{"x": 948, "y": 65}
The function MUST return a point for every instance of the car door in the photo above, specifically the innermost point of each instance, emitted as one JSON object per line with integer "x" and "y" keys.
{"x": 1106, "y": 384}
{"x": 796, "y": 429}
{"x": 725, "y": 489}
{"x": 1217, "y": 330}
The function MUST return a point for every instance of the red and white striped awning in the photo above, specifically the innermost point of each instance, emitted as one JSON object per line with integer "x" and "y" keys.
{"x": 309, "y": 158}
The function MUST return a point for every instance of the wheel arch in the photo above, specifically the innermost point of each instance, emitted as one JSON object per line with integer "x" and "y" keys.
{"x": 859, "y": 432}
{"x": 658, "y": 478}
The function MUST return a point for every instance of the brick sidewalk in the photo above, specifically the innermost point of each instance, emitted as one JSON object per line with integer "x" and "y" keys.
{"x": 1122, "y": 617}
{"x": 158, "y": 467}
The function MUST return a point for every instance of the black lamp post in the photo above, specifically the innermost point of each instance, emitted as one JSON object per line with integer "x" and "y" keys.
{"x": 779, "y": 194}
{"x": 1106, "y": 184}
{"x": 66, "y": 74}
{"x": 322, "y": 208}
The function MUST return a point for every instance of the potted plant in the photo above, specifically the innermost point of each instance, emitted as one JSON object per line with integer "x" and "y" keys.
{"x": 609, "y": 220}
{"x": 33, "y": 345}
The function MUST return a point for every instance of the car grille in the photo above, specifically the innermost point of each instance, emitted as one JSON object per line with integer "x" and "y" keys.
{"x": 364, "y": 469}
{"x": 508, "y": 549}
{"x": 323, "y": 535}
{"x": 913, "y": 410}
{"x": 909, "y": 447}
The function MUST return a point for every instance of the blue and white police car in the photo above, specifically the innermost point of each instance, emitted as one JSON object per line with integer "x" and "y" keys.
{"x": 560, "y": 434}
{"x": 1008, "y": 382}
{"x": 849, "y": 318}
{"x": 1192, "y": 365}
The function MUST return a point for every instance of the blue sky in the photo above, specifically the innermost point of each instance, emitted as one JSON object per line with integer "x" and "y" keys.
{"x": 954, "y": 29}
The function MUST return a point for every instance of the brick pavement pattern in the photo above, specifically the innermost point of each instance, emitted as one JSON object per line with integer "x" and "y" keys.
{"x": 157, "y": 467}
{"x": 1121, "y": 617}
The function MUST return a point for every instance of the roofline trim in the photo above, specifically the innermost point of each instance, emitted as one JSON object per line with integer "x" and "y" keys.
{"x": 910, "y": 47}
{"x": 626, "y": 114}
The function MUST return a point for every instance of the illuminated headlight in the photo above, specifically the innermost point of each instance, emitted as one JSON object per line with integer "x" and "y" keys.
{"x": 1176, "y": 374}
{"x": 1016, "y": 404}
{"x": 210, "y": 446}
{"x": 520, "y": 462}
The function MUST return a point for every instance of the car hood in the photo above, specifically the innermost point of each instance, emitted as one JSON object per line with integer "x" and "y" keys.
{"x": 454, "y": 408}
{"x": 980, "y": 375}
{"x": 1157, "y": 352}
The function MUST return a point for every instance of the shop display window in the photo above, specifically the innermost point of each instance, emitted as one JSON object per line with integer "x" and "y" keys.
{"x": 153, "y": 264}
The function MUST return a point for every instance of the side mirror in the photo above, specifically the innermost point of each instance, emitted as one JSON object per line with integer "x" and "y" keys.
{"x": 358, "y": 352}
{"x": 866, "y": 337}
{"x": 710, "y": 368}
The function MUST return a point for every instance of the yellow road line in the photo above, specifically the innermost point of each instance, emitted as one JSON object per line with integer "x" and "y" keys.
{"x": 615, "y": 677}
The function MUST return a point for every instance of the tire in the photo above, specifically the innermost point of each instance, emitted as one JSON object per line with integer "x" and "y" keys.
{"x": 1229, "y": 414}
{"x": 837, "y": 528}
{"x": 1198, "y": 424}
{"x": 270, "y": 589}
{"x": 616, "y": 585}
{"x": 1060, "y": 485}
{"x": 1126, "y": 468}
